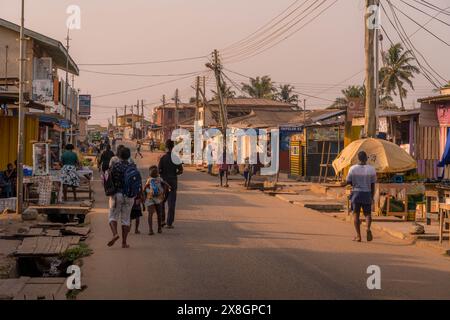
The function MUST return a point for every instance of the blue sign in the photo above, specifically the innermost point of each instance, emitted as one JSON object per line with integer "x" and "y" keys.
{"x": 65, "y": 124}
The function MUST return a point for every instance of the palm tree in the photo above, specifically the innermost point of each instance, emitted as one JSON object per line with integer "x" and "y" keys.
{"x": 349, "y": 92}
{"x": 260, "y": 87}
{"x": 398, "y": 69}
{"x": 285, "y": 94}
{"x": 227, "y": 92}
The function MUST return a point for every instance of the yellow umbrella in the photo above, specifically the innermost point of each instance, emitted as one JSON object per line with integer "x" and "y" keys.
{"x": 385, "y": 156}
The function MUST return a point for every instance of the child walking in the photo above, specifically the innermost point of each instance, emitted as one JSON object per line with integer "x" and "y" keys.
{"x": 155, "y": 191}
{"x": 136, "y": 211}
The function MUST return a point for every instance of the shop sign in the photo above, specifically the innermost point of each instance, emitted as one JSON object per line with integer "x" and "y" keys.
{"x": 84, "y": 106}
{"x": 42, "y": 80}
{"x": 65, "y": 124}
{"x": 324, "y": 134}
{"x": 355, "y": 108}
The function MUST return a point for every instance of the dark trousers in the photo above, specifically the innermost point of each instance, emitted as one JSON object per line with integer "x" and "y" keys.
{"x": 171, "y": 203}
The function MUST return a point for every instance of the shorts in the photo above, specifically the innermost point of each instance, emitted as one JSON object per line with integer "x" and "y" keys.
{"x": 366, "y": 208}
{"x": 120, "y": 208}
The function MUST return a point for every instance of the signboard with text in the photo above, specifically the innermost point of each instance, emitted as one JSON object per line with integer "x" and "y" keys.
{"x": 355, "y": 109}
{"x": 84, "y": 105}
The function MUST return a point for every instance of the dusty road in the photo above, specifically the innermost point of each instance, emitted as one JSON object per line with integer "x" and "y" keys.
{"x": 236, "y": 244}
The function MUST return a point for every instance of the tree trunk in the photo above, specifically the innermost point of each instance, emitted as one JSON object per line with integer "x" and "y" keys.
{"x": 401, "y": 97}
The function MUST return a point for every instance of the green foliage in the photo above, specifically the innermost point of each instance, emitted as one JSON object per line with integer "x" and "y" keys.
{"x": 285, "y": 94}
{"x": 398, "y": 70}
{"x": 260, "y": 87}
{"x": 75, "y": 253}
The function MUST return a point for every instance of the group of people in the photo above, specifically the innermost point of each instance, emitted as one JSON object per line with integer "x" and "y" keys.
{"x": 129, "y": 198}
{"x": 8, "y": 181}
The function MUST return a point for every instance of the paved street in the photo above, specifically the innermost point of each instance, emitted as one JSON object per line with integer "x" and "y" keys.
{"x": 236, "y": 244}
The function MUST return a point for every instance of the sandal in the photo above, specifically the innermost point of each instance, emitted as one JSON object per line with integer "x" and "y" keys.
{"x": 357, "y": 239}
{"x": 113, "y": 240}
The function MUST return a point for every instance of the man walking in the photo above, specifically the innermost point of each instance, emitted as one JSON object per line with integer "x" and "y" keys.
{"x": 170, "y": 171}
{"x": 105, "y": 158}
{"x": 362, "y": 177}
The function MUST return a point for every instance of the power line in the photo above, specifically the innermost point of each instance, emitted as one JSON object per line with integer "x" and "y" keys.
{"x": 278, "y": 32}
{"x": 140, "y": 75}
{"x": 143, "y": 63}
{"x": 425, "y": 13}
{"x": 141, "y": 88}
{"x": 254, "y": 41}
{"x": 289, "y": 35}
{"x": 433, "y": 7}
{"x": 262, "y": 27}
{"x": 430, "y": 32}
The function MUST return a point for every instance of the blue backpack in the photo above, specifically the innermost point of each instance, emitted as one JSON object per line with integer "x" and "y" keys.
{"x": 132, "y": 182}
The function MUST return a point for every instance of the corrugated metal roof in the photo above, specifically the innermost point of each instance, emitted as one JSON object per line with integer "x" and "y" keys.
{"x": 252, "y": 102}
{"x": 435, "y": 99}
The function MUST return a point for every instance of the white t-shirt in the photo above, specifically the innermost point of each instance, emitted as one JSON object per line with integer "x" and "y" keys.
{"x": 361, "y": 177}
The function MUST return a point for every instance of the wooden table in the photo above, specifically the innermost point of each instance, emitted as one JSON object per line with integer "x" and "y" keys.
{"x": 444, "y": 218}
{"x": 393, "y": 190}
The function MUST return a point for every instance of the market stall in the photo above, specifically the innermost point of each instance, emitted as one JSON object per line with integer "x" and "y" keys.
{"x": 396, "y": 191}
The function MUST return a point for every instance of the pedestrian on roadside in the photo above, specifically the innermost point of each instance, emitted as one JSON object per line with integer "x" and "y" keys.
{"x": 69, "y": 175}
{"x": 136, "y": 212}
{"x": 138, "y": 149}
{"x": 248, "y": 171}
{"x": 105, "y": 158}
{"x": 362, "y": 177}
{"x": 121, "y": 203}
{"x": 11, "y": 177}
{"x": 224, "y": 171}
{"x": 113, "y": 144}
{"x": 155, "y": 189}
{"x": 169, "y": 172}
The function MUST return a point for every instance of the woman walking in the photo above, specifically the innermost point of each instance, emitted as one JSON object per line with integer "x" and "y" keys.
{"x": 69, "y": 175}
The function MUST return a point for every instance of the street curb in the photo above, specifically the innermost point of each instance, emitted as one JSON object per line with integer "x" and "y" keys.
{"x": 395, "y": 234}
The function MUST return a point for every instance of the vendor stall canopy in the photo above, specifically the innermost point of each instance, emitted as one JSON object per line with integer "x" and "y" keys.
{"x": 385, "y": 156}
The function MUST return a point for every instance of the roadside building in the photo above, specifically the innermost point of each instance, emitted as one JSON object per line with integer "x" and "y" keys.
{"x": 51, "y": 105}
{"x": 167, "y": 117}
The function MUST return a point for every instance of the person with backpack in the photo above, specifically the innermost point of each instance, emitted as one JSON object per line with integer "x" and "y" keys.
{"x": 155, "y": 190}
{"x": 169, "y": 171}
{"x": 105, "y": 158}
{"x": 126, "y": 185}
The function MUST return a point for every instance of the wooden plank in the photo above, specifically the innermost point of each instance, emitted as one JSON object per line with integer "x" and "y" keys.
{"x": 11, "y": 287}
{"x": 53, "y": 233}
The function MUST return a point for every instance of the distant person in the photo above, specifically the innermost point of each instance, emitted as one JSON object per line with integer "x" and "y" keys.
{"x": 362, "y": 177}
{"x": 5, "y": 186}
{"x": 113, "y": 144}
{"x": 224, "y": 171}
{"x": 127, "y": 185}
{"x": 11, "y": 177}
{"x": 170, "y": 171}
{"x": 248, "y": 172}
{"x": 69, "y": 175}
{"x": 155, "y": 190}
{"x": 138, "y": 149}
{"x": 105, "y": 158}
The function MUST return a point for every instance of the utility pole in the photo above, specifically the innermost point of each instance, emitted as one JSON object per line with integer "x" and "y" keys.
{"x": 142, "y": 119}
{"x": 304, "y": 114}
{"x": 197, "y": 99}
{"x": 163, "y": 117}
{"x": 116, "y": 118}
{"x": 176, "y": 108}
{"x": 66, "y": 100}
{"x": 371, "y": 100}
{"x": 132, "y": 122}
{"x": 20, "y": 138}
{"x": 6, "y": 67}
{"x": 217, "y": 67}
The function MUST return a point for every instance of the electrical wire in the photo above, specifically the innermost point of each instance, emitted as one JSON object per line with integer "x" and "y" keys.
{"x": 140, "y": 75}
{"x": 288, "y": 36}
{"x": 141, "y": 88}
{"x": 144, "y": 62}
{"x": 425, "y": 13}
{"x": 433, "y": 7}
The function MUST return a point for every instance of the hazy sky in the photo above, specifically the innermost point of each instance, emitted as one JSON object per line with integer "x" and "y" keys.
{"x": 326, "y": 52}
